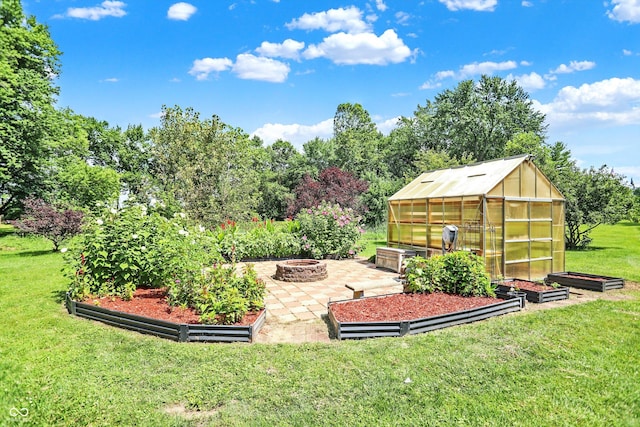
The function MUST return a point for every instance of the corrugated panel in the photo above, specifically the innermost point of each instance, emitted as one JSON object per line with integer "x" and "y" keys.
{"x": 470, "y": 180}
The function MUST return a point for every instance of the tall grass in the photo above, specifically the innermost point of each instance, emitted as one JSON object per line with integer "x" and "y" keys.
{"x": 572, "y": 366}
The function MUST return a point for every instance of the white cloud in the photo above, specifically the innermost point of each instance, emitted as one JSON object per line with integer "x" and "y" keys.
{"x": 487, "y": 67}
{"x": 111, "y": 80}
{"x": 529, "y": 82}
{"x": 613, "y": 101}
{"x": 181, "y": 11}
{"x": 363, "y": 48}
{"x": 106, "y": 8}
{"x": 402, "y": 18}
{"x": 477, "y": 5}
{"x": 333, "y": 20}
{"x": 287, "y": 49}
{"x": 203, "y": 67}
{"x": 296, "y": 134}
{"x": 573, "y": 67}
{"x": 627, "y": 52}
{"x": 386, "y": 126}
{"x": 527, "y": 3}
{"x": 251, "y": 67}
{"x": 625, "y": 11}
{"x": 469, "y": 70}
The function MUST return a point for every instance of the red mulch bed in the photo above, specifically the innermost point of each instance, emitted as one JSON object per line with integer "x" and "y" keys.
{"x": 401, "y": 307}
{"x": 530, "y": 286}
{"x": 595, "y": 279}
{"x": 153, "y": 303}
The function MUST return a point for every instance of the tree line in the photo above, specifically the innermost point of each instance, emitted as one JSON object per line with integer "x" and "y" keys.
{"x": 214, "y": 171}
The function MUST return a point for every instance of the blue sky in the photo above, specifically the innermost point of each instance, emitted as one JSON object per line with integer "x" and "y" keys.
{"x": 279, "y": 68}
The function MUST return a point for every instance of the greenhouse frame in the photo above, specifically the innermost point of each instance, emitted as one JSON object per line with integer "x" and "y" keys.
{"x": 506, "y": 211}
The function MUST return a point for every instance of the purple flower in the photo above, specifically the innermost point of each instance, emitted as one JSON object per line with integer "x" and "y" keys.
{"x": 304, "y": 237}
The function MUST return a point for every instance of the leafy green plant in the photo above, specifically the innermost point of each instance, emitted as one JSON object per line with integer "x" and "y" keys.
{"x": 461, "y": 273}
{"x": 121, "y": 250}
{"x": 329, "y": 230}
{"x": 223, "y": 298}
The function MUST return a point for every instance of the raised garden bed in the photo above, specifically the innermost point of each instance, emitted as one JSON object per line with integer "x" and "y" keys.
{"x": 534, "y": 292}
{"x": 590, "y": 282}
{"x": 488, "y": 307}
{"x": 183, "y": 332}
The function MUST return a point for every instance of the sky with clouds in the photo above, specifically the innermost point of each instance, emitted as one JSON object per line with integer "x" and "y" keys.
{"x": 279, "y": 68}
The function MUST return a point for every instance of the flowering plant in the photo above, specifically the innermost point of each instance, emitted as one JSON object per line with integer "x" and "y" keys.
{"x": 329, "y": 230}
{"x": 121, "y": 250}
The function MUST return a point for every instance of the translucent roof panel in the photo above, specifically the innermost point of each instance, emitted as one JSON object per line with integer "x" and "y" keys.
{"x": 470, "y": 180}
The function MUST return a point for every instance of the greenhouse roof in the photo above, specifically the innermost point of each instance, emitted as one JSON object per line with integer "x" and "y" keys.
{"x": 471, "y": 180}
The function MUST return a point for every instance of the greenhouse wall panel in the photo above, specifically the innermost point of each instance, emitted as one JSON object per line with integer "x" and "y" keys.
{"x": 506, "y": 211}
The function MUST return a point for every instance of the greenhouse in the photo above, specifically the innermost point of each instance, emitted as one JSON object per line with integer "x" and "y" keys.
{"x": 506, "y": 211}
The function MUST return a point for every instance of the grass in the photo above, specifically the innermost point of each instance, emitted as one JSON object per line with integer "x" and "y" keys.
{"x": 547, "y": 367}
{"x": 615, "y": 251}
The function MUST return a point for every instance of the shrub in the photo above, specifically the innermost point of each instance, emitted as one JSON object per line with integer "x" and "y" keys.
{"x": 43, "y": 219}
{"x": 333, "y": 186}
{"x": 222, "y": 297}
{"x": 329, "y": 230}
{"x": 263, "y": 239}
{"x": 461, "y": 273}
{"x": 120, "y": 251}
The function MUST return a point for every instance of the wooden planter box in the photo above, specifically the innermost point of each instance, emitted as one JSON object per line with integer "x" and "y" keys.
{"x": 590, "y": 282}
{"x": 392, "y": 258}
{"x": 538, "y": 297}
{"x": 357, "y": 330}
{"x": 182, "y": 332}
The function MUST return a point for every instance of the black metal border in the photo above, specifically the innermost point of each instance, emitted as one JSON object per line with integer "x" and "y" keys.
{"x": 358, "y": 330}
{"x": 538, "y": 297}
{"x": 182, "y": 332}
{"x": 593, "y": 285}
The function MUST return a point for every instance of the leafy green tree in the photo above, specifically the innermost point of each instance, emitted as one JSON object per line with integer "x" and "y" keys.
{"x": 28, "y": 63}
{"x": 358, "y": 142}
{"x": 427, "y": 160}
{"x": 282, "y": 171}
{"x": 206, "y": 165}
{"x": 319, "y": 154}
{"x": 84, "y": 186}
{"x": 477, "y": 119}
{"x": 594, "y": 197}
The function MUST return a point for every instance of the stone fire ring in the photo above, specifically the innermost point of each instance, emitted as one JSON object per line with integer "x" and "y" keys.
{"x": 301, "y": 270}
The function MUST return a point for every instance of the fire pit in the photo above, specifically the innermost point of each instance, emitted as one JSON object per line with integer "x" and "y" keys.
{"x": 301, "y": 270}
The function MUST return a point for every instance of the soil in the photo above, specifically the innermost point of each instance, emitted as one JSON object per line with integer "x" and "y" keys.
{"x": 153, "y": 303}
{"x": 594, "y": 279}
{"x": 530, "y": 286}
{"x": 401, "y": 307}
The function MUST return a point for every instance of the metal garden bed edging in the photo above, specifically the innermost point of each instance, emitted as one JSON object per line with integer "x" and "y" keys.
{"x": 357, "y": 330}
{"x": 538, "y": 297}
{"x": 182, "y": 332}
{"x": 590, "y": 282}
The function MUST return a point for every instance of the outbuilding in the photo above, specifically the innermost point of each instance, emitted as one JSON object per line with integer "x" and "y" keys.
{"x": 506, "y": 211}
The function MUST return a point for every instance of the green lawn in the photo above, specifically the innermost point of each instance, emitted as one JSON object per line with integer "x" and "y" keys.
{"x": 578, "y": 365}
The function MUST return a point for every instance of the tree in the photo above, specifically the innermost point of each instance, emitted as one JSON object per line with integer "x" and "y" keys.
{"x": 206, "y": 165}
{"x": 428, "y": 160}
{"x": 334, "y": 186}
{"x": 28, "y": 66}
{"x": 477, "y": 119}
{"x": 593, "y": 197}
{"x": 84, "y": 186}
{"x": 43, "y": 219}
{"x": 319, "y": 154}
{"x": 358, "y": 142}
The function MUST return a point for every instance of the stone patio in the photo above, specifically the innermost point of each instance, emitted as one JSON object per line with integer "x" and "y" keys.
{"x": 296, "y": 311}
